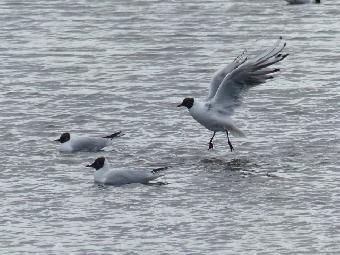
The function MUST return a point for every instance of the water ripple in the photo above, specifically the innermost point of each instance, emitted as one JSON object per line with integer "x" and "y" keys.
{"x": 97, "y": 67}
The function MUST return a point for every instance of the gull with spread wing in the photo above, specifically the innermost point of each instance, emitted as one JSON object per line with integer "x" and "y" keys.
{"x": 226, "y": 89}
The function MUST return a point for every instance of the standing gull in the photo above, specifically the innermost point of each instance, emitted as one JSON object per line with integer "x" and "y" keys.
{"x": 226, "y": 89}
{"x": 74, "y": 143}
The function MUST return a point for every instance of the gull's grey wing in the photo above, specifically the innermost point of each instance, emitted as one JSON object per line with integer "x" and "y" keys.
{"x": 220, "y": 74}
{"x": 126, "y": 176}
{"x": 248, "y": 74}
{"x": 118, "y": 177}
{"x": 89, "y": 143}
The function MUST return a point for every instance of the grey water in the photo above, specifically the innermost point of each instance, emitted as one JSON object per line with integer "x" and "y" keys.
{"x": 96, "y": 67}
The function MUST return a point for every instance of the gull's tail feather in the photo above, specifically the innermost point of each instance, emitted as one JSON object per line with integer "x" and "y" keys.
{"x": 117, "y": 134}
{"x": 236, "y": 132}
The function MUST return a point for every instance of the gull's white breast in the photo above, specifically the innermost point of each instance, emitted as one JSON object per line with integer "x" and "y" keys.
{"x": 209, "y": 117}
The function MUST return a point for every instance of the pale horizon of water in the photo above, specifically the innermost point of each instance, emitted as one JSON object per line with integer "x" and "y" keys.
{"x": 97, "y": 67}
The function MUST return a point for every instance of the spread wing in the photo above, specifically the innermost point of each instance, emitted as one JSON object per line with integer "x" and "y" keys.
{"x": 248, "y": 74}
{"x": 220, "y": 74}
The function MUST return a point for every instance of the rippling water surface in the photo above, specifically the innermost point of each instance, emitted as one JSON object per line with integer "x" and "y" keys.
{"x": 94, "y": 67}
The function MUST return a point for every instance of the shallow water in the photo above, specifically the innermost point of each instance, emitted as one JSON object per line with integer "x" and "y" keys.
{"x": 95, "y": 67}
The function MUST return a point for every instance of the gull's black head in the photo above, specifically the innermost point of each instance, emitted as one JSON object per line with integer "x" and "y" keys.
{"x": 98, "y": 163}
{"x": 317, "y": 1}
{"x": 187, "y": 102}
{"x": 64, "y": 138}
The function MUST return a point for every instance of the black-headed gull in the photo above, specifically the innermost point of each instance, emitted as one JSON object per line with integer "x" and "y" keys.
{"x": 74, "y": 143}
{"x": 303, "y": 1}
{"x": 227, "y": 87}
{"x": 106, "y": 175}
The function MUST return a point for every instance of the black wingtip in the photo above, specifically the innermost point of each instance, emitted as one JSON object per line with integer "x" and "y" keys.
{"x": 159, "y": 169}
{"x": 117, "y": 134}
{"x": 284, "y": 56}
{"x": 276, "y": 70}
